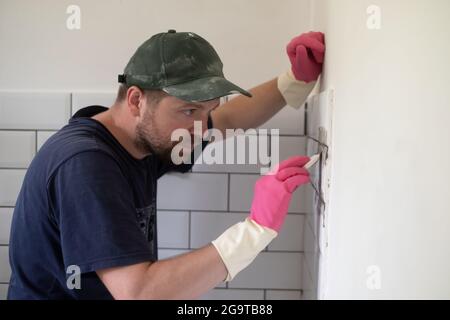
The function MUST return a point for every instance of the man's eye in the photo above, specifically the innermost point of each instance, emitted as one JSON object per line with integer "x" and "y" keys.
{"x": 188, "y": 112}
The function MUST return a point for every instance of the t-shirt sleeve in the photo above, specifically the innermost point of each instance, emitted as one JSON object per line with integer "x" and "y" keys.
{"x": 94, "y": 210}
{"x": 163, "y": 168}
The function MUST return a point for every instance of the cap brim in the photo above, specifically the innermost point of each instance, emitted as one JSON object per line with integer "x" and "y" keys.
{"x": 204, "y": 89}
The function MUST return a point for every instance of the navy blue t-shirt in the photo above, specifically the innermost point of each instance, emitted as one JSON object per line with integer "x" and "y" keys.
{"x": 84, "y": 202}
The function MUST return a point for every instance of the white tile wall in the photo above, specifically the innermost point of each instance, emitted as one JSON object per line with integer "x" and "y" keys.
{"x": 5, "y": 270}
{"x": 173, "y": 229}
{"x": 5, "y": 224}
{"x": 290, "y": 238}
{"x": 193, "y": 208}
{"x": 84, "y": 99}
{"x": 17, "y": 148}
{"x": 42, "y": 136}
{"x": 292, "y": 146}
{"x": 308, "y": 200}
{"x": 24, "y": 110}
{"x": 241, "y": 191}
{"x": 311, "y": 258}
{"x": 288, "y": 121}
{"x": 207, "y": 226}
{"x": 10, "y": 184}
{"x": 233, "y": 294}
{"x": 283, "y": 295}
{"x": 307, "y": 282}
{"x": 271, "y": 270}
{"x": 241, "y": 194}
{"x": 233, "y": 166}
{"x": 3, "y": 291}
{"x": 193, "y": 191}
{"x": 310, "y": 281}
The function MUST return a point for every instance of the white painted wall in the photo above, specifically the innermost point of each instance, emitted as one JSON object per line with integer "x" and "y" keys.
{"x": 40, "y": 53}
{"x": 390, "y": 201}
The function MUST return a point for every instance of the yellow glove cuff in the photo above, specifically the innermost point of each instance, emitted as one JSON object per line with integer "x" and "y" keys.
{"x": 239, "y": 245}
{"x": 293, "y": 91}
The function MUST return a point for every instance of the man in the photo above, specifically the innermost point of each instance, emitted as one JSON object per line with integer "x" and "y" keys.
{"x": 88, "y": 201}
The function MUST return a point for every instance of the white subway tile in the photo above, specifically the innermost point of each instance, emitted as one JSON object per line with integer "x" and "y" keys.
{"x": 310, "y": 281}
{"x": 5, "y": 224}
{"x": 289, "y": 147}
{"x": 193, "y": 191}
{"x": 10, "y": 184}
{"x": 312, "y": 147}
{"x": 3, "y": 291}
{"x": 292, "y": 146}
{"x": 309, "y": 295}
{"x": 207, "y": 226}
{"x": 242, "y": 190}
{"x": 288, "y": 120}
{"x": 84, "y": 99}
{"x": 307, "y": 282}
{"x": 173, "y": 229}
{"x": 308, "y": 200}
{"x": 43, "y": 136}
{"x": 5, "y": 269}
{"x": 310, "y": 248}
{"x": 233, "y": 294}
{"x": 168, "y": 253}
{"x": 271, "y": 270}
{"x": 290, "y": 237}
{"x": 17, "y": 148}
{"x": 283, "y": 295}
{"x": 315, "y": 276}
{"x": 240, "y": 145}
{"x": 29, "y": 110}
{"x": 312, "y": 213}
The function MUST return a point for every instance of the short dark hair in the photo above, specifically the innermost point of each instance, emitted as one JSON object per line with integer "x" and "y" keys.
{"x": 122, "y": 92}
{"x": 154, "y": 95}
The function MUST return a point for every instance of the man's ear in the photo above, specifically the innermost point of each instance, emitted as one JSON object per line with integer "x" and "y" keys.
{"x": 135, "y": 97}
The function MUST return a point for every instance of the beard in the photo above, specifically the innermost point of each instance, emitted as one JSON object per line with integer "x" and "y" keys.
{"x": 149, "y": 140}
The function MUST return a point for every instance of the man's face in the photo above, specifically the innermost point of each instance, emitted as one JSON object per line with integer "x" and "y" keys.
{"x": 153, "y": 133}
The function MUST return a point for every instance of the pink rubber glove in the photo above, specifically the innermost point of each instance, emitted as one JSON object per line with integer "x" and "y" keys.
{"x": 273, "y": 192}
{"x": 306, "y": 53}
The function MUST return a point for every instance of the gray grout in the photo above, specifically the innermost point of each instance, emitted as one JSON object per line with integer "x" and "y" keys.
{"x": 71, "y": 104}
{"x": 189, "y": 229}
{"x": 35, "y": 142}
{"x": 229, "y": 192}
{"x": 30, "y": 129}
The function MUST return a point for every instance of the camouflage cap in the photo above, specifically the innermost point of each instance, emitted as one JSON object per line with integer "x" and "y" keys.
{"x": 182, "y": 64}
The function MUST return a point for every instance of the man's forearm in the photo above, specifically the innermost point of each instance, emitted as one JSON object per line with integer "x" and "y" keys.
{"x": 244, "y": 113}
{"x": 186, "y": 276}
